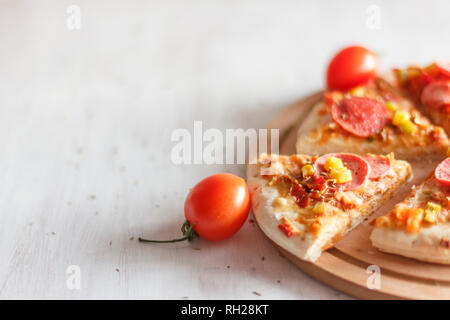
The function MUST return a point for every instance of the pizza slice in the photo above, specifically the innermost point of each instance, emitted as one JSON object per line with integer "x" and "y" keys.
{"x": 430, "y": 87}
{"x": 419, "y": 226}
{"x": 305, "y": 204}
{"x": 374, "y": 118}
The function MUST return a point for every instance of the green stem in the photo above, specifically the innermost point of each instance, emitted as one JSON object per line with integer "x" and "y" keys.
{"x": 163, "y": 241}
{"x": 188, "y": 233}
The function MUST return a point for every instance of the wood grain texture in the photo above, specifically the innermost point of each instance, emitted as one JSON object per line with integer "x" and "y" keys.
{"x": 344, "y": 267}
{"x": 86, "y": 119}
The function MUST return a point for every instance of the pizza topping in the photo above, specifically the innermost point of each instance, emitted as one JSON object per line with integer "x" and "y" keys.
{"x": 443, "y": 66}
{"x": 319, "y": 208}
{"x": 315, "y": 227}
{"x": 331, "y": 97}
{"x": 307, "y": 170}
{"x": 279, "y": 202}
{"x": 333, "y": 163}
{"x": 358, "y": 91}
{"x": 337, "y": 171}
{"x": 383, "y": 221}
{"x": 408, "y": 218}
{"x": 408, "y": 127}
{"x": 348, "y": 200}
{"x": 400, "y": 117}
{"x": 391, "y": 106}
{"x": 286, "y": 227}
{"x": 358, "y": 167}
{"x": 428, "y": 209}
{"x": 300, "y": 195}
{"x": 340, "y": 175}
{"x": 442, "y": 172}
{"x": 402, "y": 120}
{"x": 362, "y": 117}
{"x": 436, "y": 94}
{"x": 317, "y": 183}
{"x": 379, "y": 166}
{"x": 414, "y": 220}
{"x": 437, "y": 134}
{"x": 432, "y": 212}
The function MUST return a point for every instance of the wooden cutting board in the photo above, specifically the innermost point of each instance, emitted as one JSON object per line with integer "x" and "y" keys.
{"x": 346, "y": 266}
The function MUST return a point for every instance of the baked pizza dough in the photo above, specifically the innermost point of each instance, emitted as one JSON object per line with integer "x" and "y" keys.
{"x": 358, "y": 122}
{"x": 419, "y": 226}
{"x": 302, "y": 229}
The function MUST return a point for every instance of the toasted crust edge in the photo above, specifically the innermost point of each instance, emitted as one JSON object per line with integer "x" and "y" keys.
{"x": 424, "y": 246}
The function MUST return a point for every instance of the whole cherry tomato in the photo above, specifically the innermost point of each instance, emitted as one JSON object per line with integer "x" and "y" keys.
{"x": 218, "y": 206}
{"x": 215, "y": 209}
{"x": 351, "y": 67}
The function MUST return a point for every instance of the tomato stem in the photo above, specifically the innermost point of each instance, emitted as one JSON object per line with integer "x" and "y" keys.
{"x": 187, "y": 230}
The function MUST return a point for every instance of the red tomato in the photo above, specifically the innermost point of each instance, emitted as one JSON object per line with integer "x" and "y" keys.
{"x": 443, "y": 66}
{"x": 351, "y": 67}
{"x": 218, "y": 206}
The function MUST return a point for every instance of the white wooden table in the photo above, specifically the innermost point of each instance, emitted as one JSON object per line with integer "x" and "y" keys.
{"x": 86, "y": 118}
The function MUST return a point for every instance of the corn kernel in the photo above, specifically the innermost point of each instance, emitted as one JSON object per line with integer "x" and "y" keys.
{"x": 341, "y": 175}
{"x": 432, "y": 211}
{"x": 400, "y": 117}
{"x": 433, "y": 206}
{"x": 430, "y": 216}
{"x": 391, "y": 106}
{"x": 333, "y": 163}
{"x": 408, "y": 127}
{"x": 308, "y": 170}
{"x": 358, "y": 91}
{"x": 319, "y": 208}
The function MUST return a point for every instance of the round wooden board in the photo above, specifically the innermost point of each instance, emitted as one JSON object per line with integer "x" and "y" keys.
{"x": 345, "y": 267}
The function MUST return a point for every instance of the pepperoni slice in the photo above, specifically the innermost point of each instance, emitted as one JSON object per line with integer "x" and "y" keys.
{"x": 379, "y": 166}
{"x": 360, "y": 116}
{"x": 357, "y": 165}
{"x": 436, "y": 94}
{"x": 442, "y": 172}
{"x": 443, "y": 66}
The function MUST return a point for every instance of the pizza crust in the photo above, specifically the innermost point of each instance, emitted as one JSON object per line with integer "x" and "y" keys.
{"x": 430, "y": 244}
{"x": 308, "y": 246}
